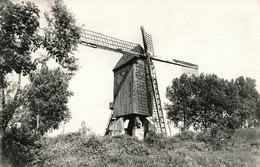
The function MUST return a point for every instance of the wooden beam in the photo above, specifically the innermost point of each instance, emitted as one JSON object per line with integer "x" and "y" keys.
{"x": 177, "y": 62}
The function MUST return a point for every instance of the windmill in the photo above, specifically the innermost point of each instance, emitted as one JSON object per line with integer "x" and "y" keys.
{"x": 136, "y": 107}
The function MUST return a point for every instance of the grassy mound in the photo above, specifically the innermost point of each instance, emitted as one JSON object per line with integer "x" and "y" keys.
{"x": 188, "y": 149}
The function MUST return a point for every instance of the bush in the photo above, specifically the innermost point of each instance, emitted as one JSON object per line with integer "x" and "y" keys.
{"x": 20, "y": 147}
{"x": 126, "y": 144}
{"x": 186, "y": 136}
{"x": 92, "y": 142}
{"x": 216, "y": 138}
{"x": 192, "y": 146}
{"x": 203, "y": 136}
{"x": 80, "y": 150}
{"x": 70, "y": 149}
{"x": 155, "y": 140}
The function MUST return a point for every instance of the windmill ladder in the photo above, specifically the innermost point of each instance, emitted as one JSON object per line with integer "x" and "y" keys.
{"x": 158, "y": 117}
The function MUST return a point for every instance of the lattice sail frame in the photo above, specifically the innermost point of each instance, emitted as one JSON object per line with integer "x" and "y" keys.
{"x": 98, "y": 40}
{"x": 148, "y": 42}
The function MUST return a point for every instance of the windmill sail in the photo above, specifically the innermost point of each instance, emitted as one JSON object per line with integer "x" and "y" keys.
{"x": 97, "y": 40}
{"x": 148, "y": 42}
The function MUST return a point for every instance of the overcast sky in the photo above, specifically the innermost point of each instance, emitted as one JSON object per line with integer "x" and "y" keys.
{"x": 222, "y": 37}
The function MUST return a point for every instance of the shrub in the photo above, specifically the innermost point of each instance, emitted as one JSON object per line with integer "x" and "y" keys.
{"x": 171, "y": 142}
{"x": 70, "y": 149}
{"x": 20, "y": 147}
{"x": 156, "y": 150}
{"x": 186, "y": 136}
{"x": 203, "y": 136}
{"x": 92, "y": 142}
{"x": 192, "y": 146}
{"x": 155, "y": 140}
{"x": 216, "y": 138}
{"x": 126, "y": 144}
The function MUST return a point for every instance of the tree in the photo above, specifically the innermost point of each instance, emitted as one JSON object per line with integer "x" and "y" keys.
{"x": 19, "y": 38}
{"x": 180, "y": 94}
{"x": 48, "y": 98}
{"x": 61, "y": 36}
{"x": 257, "y": 114}
{"x": 205, "y": 101}
{"x": 248, "y": 96}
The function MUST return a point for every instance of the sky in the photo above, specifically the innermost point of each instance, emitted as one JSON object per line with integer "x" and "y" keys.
{"x": 221, "y": 37}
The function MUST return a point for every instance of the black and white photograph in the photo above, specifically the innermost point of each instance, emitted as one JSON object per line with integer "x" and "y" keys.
{"x": 132, "y": 83}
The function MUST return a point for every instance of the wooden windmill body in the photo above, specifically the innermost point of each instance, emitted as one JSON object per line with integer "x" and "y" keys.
{"x": 132, "y": 94}
{"x": 136, "y": 107}
{"x": 132, "y": 87}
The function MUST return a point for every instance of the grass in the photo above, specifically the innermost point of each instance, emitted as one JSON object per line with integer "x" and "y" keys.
{"x": 75, "y": 149}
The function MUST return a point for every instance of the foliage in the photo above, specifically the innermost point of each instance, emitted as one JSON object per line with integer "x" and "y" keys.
{"x": 61, "y": 36}
{"x": 206, "y": 101}
{"x": 256, "y": 122}
{"x": 247, "y": 135}
{"x": 127, "y": 144}
{"x": 186, "y": 136}
{"x": 216, "y": 139}
{"x": 249, "y": 97}
{"x": 155, "y": 140}
{"x": 19, "y": 146}
{"x": 48, "y": 98}
{"x": 75, "y": 149}
{"x": 19, "y": 39}
{"x": 71, "y": 149}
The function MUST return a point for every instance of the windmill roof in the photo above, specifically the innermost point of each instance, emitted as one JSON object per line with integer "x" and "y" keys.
{"x": 126, "y": 58}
